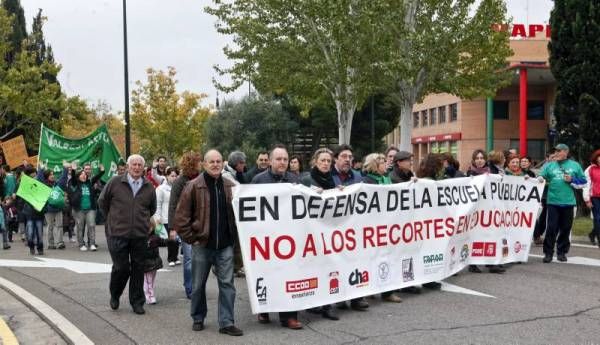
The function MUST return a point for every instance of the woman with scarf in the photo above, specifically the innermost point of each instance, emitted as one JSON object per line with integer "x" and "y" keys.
{"x": 514, "y": 166}
{"x": 480, "y": 166}
{"x": 375, "y": 172}
{"x": 319, "y": 179}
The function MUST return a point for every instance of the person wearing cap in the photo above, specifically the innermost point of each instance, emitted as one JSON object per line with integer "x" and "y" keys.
{"x": 402, "y": 167}
{"x": 561, "y": 175}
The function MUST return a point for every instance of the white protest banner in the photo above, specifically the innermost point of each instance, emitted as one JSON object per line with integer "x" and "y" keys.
{"x": 302, "y": 249}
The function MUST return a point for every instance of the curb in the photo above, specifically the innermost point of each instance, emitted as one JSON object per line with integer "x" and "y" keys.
{"x": 68, "y": 331}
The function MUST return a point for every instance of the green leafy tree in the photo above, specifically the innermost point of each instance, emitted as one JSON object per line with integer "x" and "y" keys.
{"x": 443, "y": 46}
{"x": 313, "y": 50}
{"x": 18, "y": 28}
{"x": 575, "y": 62}
{"x": 250, "y": 125}
{"x": 165, "y": 121}
{"x": 36, "y": 44}
{"x": 386, "y": 116}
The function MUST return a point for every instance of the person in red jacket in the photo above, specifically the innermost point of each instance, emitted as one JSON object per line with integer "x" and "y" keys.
{"x": 591, "y": 194}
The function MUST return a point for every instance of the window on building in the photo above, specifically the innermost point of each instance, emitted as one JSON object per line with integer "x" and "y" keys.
{"x": 454, "y": 148}
{"x": 536, "y": 110}
{"x": 415, "y": 119}
{"x": 435, "y": 147}
{"x": 453, "y": 112}
{"x": 443, "y": 147}
{"x": 500, "y": 110}
{"x": 424, "y": 118}
{"x": 432, "y": 116}
{"x": 536, "y": 148}
{"x": 442, "y": 114}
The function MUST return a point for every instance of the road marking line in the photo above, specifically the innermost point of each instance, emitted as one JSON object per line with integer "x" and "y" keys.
{"x": 457, "y": 289}
{"x": 59, "y": 322}
{"x": 6, "y": 335}
{"x": 583, "y": 245}
{"x": 574, "y": 260}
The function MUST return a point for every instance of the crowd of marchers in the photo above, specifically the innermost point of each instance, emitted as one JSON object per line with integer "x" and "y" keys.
{"x": 188, "y": 209}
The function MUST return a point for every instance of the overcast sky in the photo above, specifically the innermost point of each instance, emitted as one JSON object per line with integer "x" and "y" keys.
{"x": 87, "y": 39}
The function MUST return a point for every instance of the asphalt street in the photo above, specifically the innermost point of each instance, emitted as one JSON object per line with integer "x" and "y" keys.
{"x": 532, "y": 303}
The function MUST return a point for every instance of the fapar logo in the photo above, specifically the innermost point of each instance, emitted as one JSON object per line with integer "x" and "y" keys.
{"x": 302, "y": 288}
{"x": 434, "y": 258}
{"x": 484, "y": 249}
{"x": 383, "y": 272}
{"x": 408, "y": 272}
{"x": 261, "y": 291}
{"x": 464, "y": 253}
{"x": 334, "y": 283}
{"x": 359, "y": 278}
{"x": 505, "y": 249}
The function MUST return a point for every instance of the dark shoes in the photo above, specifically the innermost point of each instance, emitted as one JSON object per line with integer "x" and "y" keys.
{"x": 138, "y": 309}
{"x": 538, "y": 241}
{"x": 547, "y": 259}
{"x": 292, "y": 324}
{"x": 32, "y": 251}
{"x": 497, "y": 269}
{"x": 330, "y": 314}
{"x": 561, "y": 257}
{"x": 114, "y": 303}
{"x": 198, "y": 326}
{"x": 231, "y": 330}
{"x": 263, "y": 318}
{"x": 6, "y": 246}
{"x": 411, "y": 289}
{"x": 360, "y": 305}
{"x": 475, "y": 269}
{"x": 592, "y": 236}
{"x": 433, "y": 285}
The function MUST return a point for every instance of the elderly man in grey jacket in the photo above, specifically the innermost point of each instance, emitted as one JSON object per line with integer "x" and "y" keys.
{"x": 128, "y": 202}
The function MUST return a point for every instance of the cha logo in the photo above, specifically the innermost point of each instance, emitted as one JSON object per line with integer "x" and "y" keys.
{"x": 358, "y": 278}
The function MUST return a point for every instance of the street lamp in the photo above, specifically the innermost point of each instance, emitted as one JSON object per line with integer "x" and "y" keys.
{"x": 126, "y": 72}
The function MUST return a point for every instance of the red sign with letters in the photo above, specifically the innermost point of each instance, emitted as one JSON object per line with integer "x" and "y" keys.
{"x": 439, "y": 137}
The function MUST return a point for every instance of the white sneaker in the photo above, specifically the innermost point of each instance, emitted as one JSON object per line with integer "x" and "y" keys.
{"x": 171, "y": 264}
{"x": 177, "y": 262}
{"x": 93, "y": 248}
{"x": 83, "y": 248}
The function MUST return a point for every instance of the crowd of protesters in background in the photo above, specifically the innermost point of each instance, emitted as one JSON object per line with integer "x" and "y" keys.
{"x": 174, "y": 197}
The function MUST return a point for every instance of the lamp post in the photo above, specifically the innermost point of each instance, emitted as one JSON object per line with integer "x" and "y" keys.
{"x": 126, "y": 73}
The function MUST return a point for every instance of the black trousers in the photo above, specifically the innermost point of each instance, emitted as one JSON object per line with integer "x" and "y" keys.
{"x": 127, "y": 256}
{"x": 540, "y": 225}
{"x": 172, "y": 248}
{"x": 558, "y": 228}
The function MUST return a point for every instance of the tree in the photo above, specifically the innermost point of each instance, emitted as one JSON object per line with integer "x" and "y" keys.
{"x": 165, "y": 121}
{"x": 386, "y": 116}
{"x": 18, "y": 32}
{"x": 575, "y": 62}
{"x": 443, "y": 46}
{"x": 36, "y": 44}
{"x": 311, "y": 49}
{"x": 251, "y": 125}
{"x": 29, "y": 93}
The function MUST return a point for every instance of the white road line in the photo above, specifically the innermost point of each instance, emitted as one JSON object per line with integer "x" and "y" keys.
{"x": 457, "y": 289}
{"x": 583, "y": 245}
{"x": 574, "y": 260}
{"x": 58, "y": 321}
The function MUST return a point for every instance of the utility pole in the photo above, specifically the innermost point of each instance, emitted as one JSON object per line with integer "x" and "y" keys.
{"x": 126, "y": 72}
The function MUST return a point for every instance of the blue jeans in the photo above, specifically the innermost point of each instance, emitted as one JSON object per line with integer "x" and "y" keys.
{"x": 35, "y": 234}
{"x": 187, "y": 268}
{"x": 202, "y": 260}
{"x": 596, "y": 213}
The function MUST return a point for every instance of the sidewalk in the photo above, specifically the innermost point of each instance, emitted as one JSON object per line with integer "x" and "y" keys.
{"x": 23, "y": 324}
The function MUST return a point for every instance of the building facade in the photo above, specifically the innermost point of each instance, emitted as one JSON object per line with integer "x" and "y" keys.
{"x": 522, "y": 112}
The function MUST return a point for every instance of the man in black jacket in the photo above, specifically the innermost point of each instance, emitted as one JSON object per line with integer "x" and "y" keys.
{"x": 128, "y": 201}
{"x": 277, "y": 173}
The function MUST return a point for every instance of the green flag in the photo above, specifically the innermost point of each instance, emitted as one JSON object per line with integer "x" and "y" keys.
{"x": 34, "y": 192}
{"x": 95, "y": 148}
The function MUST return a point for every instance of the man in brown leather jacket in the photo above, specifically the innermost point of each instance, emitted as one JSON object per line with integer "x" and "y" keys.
{"x": 204, "y": 218}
